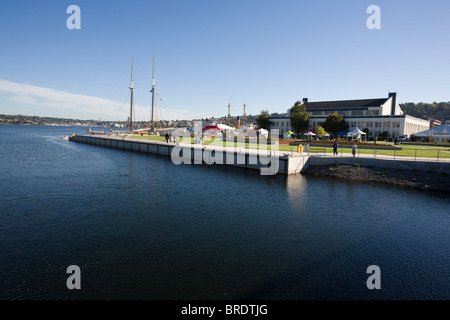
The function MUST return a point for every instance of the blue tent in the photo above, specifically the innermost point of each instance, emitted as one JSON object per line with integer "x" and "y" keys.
{"x": 342, "y": 133}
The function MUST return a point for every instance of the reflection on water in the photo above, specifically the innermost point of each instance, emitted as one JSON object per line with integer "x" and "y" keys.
{"x": 296, "y": 186}
{"x": 141, "y": 227}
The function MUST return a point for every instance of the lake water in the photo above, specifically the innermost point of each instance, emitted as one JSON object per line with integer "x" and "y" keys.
{"x": 140, "y": 227}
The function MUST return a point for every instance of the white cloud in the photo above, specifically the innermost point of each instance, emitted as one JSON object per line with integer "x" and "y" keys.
{"x": 47, "y": 97}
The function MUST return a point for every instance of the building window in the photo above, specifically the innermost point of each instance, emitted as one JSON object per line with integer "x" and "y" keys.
{"x": 386, "y": 124}
{"x": 373, "y": 112}
{"x": 317, "y": 113}
{"x": 343, "y": 113}
{"x": 361, "y": 124}
{"x": 357, "y": 112}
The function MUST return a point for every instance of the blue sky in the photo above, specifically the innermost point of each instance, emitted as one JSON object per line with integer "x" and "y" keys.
{"x": 267, "y": 54}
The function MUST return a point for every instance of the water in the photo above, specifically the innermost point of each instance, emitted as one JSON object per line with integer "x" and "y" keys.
{"x": 140, "y": 227}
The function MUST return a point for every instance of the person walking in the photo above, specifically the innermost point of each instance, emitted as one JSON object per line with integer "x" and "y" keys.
{"x": 167, "y": 137}
{"x": 335, "y": 147}
{"x": 354, "y": 147}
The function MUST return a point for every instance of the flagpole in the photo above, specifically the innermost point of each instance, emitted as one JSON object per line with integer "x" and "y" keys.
{"x": 131, "y": 103}
{"x": 153, "y": 91}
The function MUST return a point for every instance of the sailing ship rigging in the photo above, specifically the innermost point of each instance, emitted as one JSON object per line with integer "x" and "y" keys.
{"x": 130, "y": 119}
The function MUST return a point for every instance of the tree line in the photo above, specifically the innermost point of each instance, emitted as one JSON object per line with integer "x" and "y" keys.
{"x": 435, "y": 110}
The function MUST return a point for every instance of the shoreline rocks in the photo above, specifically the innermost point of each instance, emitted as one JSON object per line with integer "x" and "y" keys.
{"x": 409, "y": 179}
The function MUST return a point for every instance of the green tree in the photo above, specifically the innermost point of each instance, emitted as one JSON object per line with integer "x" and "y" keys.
{"x": 263, "y": 119}
{"x": 384, "y": 135}
{"x": 334, "y": 123}
{"x": 435, "y": 110}
{"x": 320, "y": 131}
{"x": 299, "y": 117}
{"x": 366, "y": 130}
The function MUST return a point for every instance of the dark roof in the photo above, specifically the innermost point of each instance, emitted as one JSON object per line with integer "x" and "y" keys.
{"x": 344, "y": 104}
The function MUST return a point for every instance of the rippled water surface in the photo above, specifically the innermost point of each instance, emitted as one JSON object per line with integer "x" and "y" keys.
{"x": 140, "y": 227}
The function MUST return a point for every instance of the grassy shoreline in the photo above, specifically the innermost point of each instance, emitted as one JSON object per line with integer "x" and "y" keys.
{"x": 425, "y": 151}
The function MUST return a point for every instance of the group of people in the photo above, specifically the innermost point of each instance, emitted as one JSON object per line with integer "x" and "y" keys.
{"x": 169, "y": 138}
{"x": 336, "y": 146}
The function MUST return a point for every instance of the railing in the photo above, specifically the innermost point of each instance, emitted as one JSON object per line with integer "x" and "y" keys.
{"x": 416, "y": 154}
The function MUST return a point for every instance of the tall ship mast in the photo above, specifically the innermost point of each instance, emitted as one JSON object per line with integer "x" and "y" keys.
{"x": 153, "y": 91}
{"x": 243, "y": 121}
{"x": 131, "y": 104}
{"x": 229, "y": 115}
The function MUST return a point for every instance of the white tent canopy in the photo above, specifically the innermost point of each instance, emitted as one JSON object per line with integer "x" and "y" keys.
{"x": 309, "y": 133}
{"x": 225, "y": 127}
{"x": 425, "y": 133}
{"x": 263, "y": 133}
{"x": 441, "y": 133}
{"x": 355, "y": 132}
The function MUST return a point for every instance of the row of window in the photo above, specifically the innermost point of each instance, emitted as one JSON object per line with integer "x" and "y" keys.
{"x": 352, "y": 124}
{"x": 375, "y": 124}
{"x": 345, "y": 113}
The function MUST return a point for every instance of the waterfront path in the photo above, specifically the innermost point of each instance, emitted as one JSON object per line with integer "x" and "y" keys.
{"x": 379, "y": 156}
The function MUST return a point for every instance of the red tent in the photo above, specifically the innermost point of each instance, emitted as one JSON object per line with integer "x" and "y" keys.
{"x": 212, "y": 128}
{"x": 312, "y": 130}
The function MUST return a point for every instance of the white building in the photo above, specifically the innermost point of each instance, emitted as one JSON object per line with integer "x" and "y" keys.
{"x": 376, "y": 115}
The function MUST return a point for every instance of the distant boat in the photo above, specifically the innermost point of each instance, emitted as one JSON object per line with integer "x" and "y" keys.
{"x": 65, "y": 137}
{"x": 95, "y": 132}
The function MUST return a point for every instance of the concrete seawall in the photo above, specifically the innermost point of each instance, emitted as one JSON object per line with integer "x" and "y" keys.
{"x": 288, "y": 163}
{"x": 202, "y": 154}
{"x": 406, "y": 164}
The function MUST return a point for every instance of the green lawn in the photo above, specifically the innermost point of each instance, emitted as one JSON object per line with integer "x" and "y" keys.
{"x": 157, "y": 138}
{"x": 407, "y": 150}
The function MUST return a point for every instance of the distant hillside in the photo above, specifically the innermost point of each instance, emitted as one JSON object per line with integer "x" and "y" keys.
{"x": 46, "y": 121}
{"x": 435, "y": 110}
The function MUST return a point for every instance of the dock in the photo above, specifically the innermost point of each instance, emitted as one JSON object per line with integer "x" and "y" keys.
{"x": 268, "y": 162}
{"x": 287, "y": 163}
